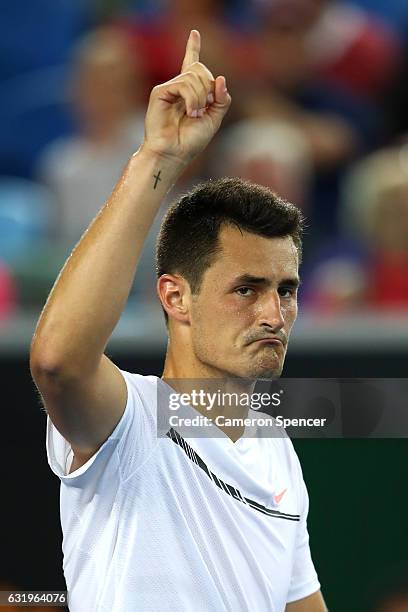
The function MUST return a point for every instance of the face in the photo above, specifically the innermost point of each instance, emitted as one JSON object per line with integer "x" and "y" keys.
{"x": 242, "y": 317}
{"x": 104, "y": 81}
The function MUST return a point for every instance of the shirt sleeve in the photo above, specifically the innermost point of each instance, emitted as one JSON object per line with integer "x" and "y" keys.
{"x": 304, "y": 580}
{"x": 129, "y": 445}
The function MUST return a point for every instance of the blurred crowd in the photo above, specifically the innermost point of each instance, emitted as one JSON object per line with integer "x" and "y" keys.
{"x": 319, "y": 114}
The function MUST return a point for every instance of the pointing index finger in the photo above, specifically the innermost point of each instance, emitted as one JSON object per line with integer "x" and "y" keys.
{"x": 192, "y": 50}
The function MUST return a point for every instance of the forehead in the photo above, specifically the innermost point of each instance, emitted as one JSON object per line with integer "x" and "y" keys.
{"x": 246, "y": 253}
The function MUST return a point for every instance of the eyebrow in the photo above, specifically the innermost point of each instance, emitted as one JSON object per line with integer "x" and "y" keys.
{"x": 261, "y": 280}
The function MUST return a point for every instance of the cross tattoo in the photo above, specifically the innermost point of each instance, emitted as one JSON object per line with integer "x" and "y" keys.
{"x": 157, "y": 177}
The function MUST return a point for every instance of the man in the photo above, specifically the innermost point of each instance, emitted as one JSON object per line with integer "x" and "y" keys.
{"x": 153, "y": 523}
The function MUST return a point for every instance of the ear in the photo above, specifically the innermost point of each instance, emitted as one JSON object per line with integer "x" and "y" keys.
{"x": 174, "y": 292}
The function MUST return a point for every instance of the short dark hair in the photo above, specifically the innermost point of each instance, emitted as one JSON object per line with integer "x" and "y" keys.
{"x": 188, "y": 244}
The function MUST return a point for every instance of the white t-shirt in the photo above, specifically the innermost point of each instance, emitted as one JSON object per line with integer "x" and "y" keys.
{"x": 164, "y": 523}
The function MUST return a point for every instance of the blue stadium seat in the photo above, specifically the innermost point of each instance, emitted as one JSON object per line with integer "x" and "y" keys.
{"x": 26, "y": 217}
{"x": 33, "y": 112}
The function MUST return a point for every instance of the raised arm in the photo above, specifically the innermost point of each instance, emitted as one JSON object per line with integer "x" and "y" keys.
{"x": 83, "y": 392}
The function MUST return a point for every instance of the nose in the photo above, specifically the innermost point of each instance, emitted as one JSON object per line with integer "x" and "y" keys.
{"x": 271, "y": 314}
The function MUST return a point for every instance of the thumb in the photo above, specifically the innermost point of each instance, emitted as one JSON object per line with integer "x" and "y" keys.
{"x": 222, "y": 100}
{"x": 221, "y": 94}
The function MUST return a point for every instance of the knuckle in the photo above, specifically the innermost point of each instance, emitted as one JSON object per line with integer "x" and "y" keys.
{"x": 203, "y": 70}
{"x": 193, "y": 89}
{"x": 157, "y": 90}
{"x": 188, "y": 90}
{"x": 197, "y": 67}
{"x": 188, "y": 86}
{"x": 194, "y": 78}
{"x": 191, "y": 96}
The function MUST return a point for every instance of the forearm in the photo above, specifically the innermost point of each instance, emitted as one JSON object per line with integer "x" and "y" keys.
{"x": 91, "y": 291}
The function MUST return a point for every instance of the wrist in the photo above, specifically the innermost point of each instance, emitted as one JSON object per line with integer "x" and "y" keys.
{"x": 172, "y": 165}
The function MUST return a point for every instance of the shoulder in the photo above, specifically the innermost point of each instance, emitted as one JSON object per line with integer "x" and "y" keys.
{"x": 142, "y": 395}
{"x": 140, "y": 384}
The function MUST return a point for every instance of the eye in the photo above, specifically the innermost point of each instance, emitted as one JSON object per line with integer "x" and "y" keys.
{"x": 287, "y": 292}
{"x": 245, "y": 291}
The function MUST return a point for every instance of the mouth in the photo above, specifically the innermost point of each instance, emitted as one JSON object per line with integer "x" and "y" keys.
{"x": 269, "y": 341}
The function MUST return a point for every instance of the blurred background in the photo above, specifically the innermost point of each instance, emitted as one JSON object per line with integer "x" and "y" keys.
{"x": 319, "y": 114}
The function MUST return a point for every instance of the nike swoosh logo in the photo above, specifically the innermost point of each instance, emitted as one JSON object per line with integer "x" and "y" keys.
{"x": 277, "y": 498}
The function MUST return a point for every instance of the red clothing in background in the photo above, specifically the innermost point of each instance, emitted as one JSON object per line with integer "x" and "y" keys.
{"x": 389, "y": 281}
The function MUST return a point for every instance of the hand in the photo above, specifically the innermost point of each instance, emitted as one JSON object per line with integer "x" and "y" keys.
{"x": 184, "y": 114}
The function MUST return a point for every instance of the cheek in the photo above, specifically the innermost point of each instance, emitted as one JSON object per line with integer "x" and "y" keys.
{"x": 225, "y": 310}
{"x": 207, "y": 319}
{"x": 290, "y": 314}
{"x": 239, "y": 318}
{"x": 220, "y": 321}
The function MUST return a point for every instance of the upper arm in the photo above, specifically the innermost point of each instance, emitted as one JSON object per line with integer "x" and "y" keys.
{"x": 312, "y": 603}
{"x": 85, "y": 408}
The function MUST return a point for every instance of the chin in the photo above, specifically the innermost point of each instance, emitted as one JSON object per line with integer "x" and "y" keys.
{"x": 267, "y": 373}
{"x": 265, "y": 370}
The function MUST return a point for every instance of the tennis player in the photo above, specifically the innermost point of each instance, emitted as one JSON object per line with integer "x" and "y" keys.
{"x": 166, "y": 523}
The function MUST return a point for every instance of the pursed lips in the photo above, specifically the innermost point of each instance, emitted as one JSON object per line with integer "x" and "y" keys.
{"x": 272, "y": 341}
